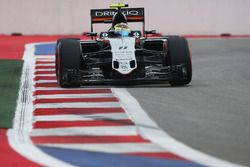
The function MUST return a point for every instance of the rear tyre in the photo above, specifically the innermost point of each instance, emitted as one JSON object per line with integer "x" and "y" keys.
{"x": 178, "y": 53}
{"x": 68, "y": 56}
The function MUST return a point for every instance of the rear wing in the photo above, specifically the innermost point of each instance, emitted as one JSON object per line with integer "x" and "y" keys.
{"x": 106, "y": 15}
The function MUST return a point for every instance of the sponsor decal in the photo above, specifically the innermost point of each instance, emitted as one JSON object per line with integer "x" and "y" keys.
{"x": 112, "y": 12}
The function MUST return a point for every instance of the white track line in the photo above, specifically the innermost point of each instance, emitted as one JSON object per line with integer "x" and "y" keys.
{"x": 87, "y": 117}
{"x": 112, "y": 148}
{"x": 78, "y": 105}
{"x": 45, "y": 57}
{"x": 46, "y": 81}
{"x": 49, "y": 69}
{"x": 87, "y": 131}
{"x": 44, "y": 65}
{"x": 18, "y": 137}
{"x": 150, "y": 130}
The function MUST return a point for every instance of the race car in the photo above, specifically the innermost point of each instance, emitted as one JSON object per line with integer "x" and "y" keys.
{"x": 122, "y": 55}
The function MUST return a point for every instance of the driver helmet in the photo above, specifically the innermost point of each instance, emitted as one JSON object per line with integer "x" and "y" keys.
{"x": 122, "y": 29}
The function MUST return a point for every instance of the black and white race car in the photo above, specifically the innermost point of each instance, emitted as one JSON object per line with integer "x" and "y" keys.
{"x": 121, "y": 55}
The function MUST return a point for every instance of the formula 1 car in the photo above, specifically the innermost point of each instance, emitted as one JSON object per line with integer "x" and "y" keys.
{"x": 121, "y": 55}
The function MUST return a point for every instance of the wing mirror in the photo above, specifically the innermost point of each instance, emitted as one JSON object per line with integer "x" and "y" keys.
{"x": 150, "y": 32}
{"x": 90, "y": 34}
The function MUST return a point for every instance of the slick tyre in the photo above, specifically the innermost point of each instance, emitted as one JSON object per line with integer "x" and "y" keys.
{"x": 68, "y": 56}
{"x": 178, "y": 53}
{"x": 57, "y": 50}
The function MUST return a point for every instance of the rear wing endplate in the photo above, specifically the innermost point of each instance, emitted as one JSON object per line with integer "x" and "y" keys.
{"x": 105, "y": 15}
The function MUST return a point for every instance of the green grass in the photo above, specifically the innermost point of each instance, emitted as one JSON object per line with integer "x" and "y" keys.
{"x": 10, "y": 74}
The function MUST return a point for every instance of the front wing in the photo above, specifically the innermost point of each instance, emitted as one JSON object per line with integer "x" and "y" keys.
{"x": 94, "y": 76}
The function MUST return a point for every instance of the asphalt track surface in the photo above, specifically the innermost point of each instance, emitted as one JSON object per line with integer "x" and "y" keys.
{"x": 212, "y": 114}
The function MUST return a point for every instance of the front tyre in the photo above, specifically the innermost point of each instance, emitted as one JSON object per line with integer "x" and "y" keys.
{"x": 68, "y": 57}
{"x": 179, "y": 54}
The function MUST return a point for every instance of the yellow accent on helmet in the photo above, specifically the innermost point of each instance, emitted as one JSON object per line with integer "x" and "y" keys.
{"x": 119, "y": 5}
{"x": 122, "y": 26}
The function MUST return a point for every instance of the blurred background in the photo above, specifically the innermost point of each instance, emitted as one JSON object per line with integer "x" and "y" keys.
{"x": 184, "y": 17}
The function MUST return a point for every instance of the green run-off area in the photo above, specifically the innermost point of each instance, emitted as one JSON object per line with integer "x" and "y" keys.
{"x": 10, "y": 74}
